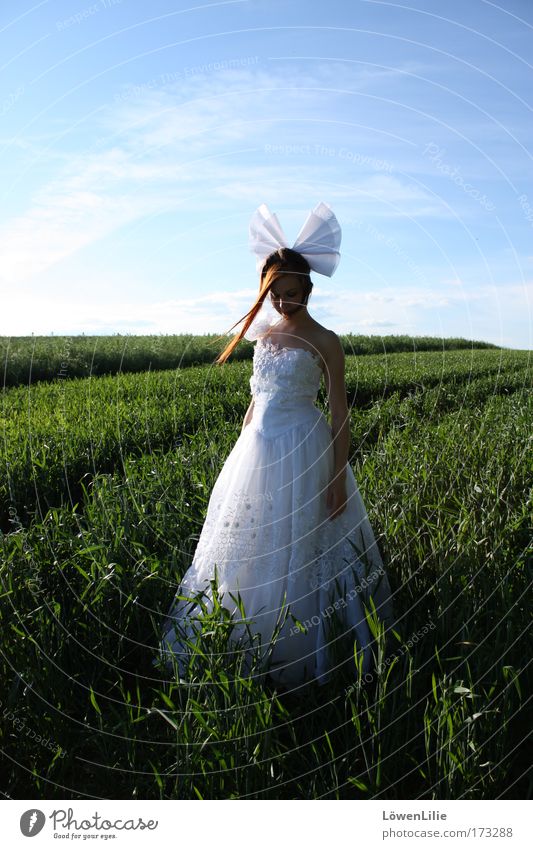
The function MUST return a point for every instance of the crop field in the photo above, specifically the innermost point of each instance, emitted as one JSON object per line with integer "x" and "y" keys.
{"x": 110, "y": 449}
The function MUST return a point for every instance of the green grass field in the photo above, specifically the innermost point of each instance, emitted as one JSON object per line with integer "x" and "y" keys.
{"x": 110, "y": 449}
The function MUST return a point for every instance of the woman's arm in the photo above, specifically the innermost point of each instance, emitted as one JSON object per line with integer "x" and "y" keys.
{"x": 248, "y": 416}
{"x": 340, "y": 422}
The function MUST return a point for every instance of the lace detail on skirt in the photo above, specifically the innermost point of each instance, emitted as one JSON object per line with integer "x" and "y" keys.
{"x": 247, "y": 535}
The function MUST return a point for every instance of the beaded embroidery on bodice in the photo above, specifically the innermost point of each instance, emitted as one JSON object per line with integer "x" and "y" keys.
{"x": 283, "y": 373}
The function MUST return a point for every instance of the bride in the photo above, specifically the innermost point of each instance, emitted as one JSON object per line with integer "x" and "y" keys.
{"x": 286, "y": 528}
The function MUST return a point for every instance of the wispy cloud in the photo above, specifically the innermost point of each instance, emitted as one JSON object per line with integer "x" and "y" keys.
{"x": 191, "y": 140}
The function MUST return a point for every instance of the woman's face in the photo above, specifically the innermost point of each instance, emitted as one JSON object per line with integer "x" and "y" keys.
{"x": 286, "y": 294}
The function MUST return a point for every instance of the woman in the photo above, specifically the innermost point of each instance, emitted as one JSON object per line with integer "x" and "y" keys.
{"x": 286, "y": 528}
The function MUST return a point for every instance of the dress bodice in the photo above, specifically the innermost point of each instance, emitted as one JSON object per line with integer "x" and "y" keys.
{"x": 284, "y": 385}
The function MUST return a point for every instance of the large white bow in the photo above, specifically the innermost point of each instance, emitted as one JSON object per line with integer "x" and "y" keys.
{"x": 318, "y": 240}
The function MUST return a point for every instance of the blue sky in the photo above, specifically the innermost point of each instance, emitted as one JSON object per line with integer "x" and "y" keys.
{"x": 136, "y": 141}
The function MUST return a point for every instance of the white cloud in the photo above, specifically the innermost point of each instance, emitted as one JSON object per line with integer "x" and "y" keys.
{"x": 189, "y": 141}
{"x": 376, "y": 322}
{"x": 478, "y": 314}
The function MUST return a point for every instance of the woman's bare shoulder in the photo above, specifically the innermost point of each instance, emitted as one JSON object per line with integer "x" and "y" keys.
{"x": 327, "y": 339}
{"x": 317, "y": 337}
{"x": 326, "y": 343}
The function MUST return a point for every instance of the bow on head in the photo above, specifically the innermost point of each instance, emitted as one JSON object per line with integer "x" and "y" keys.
{"x": 318, "y": 240}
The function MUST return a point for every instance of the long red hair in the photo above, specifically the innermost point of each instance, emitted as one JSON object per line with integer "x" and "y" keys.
{"x": 281, "y": 262}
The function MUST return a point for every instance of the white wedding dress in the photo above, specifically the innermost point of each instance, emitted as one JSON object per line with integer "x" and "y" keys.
{"x": 268, "y": 532}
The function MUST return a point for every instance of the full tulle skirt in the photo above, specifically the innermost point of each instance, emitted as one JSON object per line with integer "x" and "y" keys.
{"x": 300, "y": 576}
